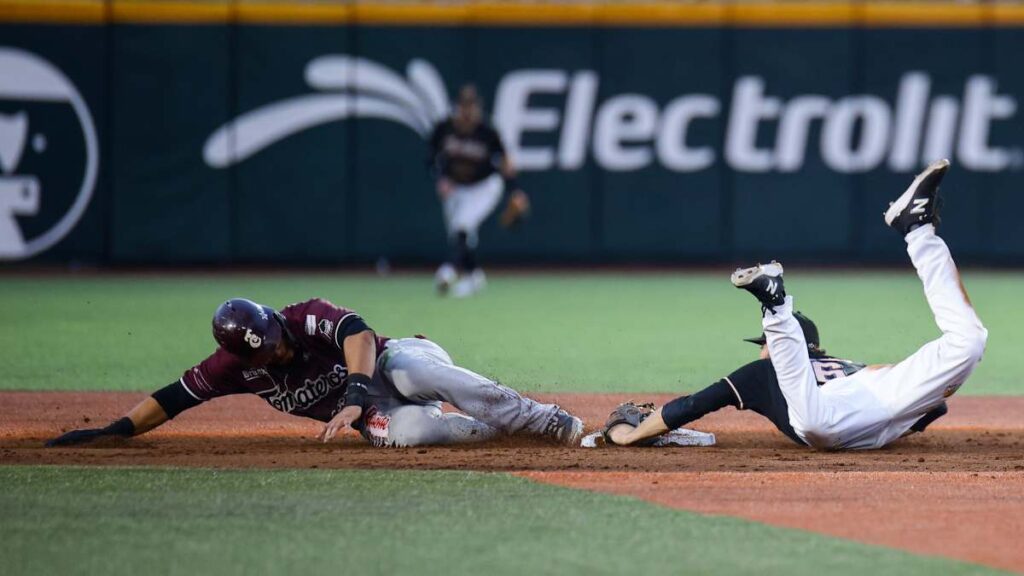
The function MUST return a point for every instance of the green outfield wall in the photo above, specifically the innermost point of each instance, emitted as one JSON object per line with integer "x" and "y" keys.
{"x": 157, "y": 133}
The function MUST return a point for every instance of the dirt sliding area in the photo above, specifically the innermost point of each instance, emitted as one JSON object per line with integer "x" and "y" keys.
{"x": 957, "y": 491}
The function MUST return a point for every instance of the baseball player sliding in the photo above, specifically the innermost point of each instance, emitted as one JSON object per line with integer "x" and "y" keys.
{"x": 824, "y": 402}
{"x": 472, "y": 170}
{"x": 321, "y": 361}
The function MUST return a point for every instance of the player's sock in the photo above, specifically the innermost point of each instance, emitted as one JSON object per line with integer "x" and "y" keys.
{"x": 465, "y": 255}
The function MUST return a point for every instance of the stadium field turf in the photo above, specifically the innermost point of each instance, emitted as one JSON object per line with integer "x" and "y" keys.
{"x": 554, "y": 332}
{"x": 63, "y": 520}
{"x": 544, "y": 332}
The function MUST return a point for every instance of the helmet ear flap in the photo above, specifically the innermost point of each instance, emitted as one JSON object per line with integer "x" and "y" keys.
{"x": 286, "y": 334}
{"x": 280, "y": 319}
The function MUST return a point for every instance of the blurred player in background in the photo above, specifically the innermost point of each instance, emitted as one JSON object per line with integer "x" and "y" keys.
{"x": 472, "y": 170}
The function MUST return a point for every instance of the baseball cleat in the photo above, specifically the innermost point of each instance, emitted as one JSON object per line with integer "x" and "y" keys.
{"x": 469, "y": 284}
{"x": 919, "y": 205}
{"x": 764, "y": 281}
{"x": 565, "y": 428}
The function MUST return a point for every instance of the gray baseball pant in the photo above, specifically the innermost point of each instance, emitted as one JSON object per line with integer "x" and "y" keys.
{"x": 414, "y": 376}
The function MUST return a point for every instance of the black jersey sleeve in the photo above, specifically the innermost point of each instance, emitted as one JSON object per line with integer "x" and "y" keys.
{"x": 350, "y": 324}
{"x": 497, "y": 147}
{"x": 748, "y": 381}
{"x": 739, "y": 389}
{"x": 751, "y": 387}
{"x": 757, "y": 388}
{"x": 175, "y": 399}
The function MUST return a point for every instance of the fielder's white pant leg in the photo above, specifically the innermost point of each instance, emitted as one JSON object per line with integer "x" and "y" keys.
{"x": 919, "y": 383}
{"x": 807, "y": 412}
{"x": 423, "y": 372}
{"x": 424, "y": 425}
{"x": 449, "y": 207}
{"x": 468, "y": 206}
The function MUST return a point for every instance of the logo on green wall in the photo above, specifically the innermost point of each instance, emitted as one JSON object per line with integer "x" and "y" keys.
{"x": 46, "y": 178}
{"x": 346, "y": 87}
{"x": 755, "y": 131}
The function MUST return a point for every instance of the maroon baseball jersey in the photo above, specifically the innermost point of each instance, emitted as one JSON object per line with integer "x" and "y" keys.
{"x": 312, "y": 385}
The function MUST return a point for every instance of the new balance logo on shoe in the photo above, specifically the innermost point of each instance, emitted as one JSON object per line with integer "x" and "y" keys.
{"x": 773, "y": 286}
{"x": 919, "y": 204}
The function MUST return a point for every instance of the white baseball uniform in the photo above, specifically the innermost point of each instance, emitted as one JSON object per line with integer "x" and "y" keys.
{"x": 466, "y": 208}
{"x": 877, "y": 405}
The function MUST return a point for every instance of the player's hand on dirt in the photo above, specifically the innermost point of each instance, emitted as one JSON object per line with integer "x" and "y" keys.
{"x": 516, "y": 210}
{"x": 77, "y": 437}
{"x": 123, "y": 427}
{"x": 444, "y": 188}
{"x": 341, "y": 422}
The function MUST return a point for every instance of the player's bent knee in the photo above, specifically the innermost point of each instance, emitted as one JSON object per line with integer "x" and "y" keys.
{"x": 417, "y": 427}
{"x": 410, "y": 438}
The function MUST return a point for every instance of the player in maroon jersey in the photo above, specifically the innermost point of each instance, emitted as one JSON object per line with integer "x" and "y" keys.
{"x": 321, "y": 361}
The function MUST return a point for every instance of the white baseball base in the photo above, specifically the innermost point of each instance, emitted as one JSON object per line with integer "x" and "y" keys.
{"x": 677, "y": 437}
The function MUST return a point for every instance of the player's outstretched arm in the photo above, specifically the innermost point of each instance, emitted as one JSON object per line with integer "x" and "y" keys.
{"x": 164, "y": 404}
{"x": 361, "y": 357}
{"x": 628, "y": 427}
{"x": 145, "y": 416}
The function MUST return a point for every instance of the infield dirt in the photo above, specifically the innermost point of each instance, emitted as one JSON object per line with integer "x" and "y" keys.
{"x": 956, "y": 491}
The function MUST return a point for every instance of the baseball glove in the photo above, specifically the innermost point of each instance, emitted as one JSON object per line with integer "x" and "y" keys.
{"x": 628, "y": 413}
{"x": 516, "y": 210}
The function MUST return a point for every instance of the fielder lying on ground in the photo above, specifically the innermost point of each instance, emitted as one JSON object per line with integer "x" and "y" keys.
{"x": 321, "y": 361}
{"x": 828, "y": 403}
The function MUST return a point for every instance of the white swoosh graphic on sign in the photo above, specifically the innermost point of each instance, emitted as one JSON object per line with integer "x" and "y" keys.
{"x": 253, "y": 131}
{"x": 341, "y": 72}
{"x": 425, "y": 80}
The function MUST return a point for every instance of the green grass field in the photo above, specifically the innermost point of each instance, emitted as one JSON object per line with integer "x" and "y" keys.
{"x": 552, "y": 333}
{"x": 117, "y": 521}
{"x": 646, "y": 333}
